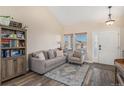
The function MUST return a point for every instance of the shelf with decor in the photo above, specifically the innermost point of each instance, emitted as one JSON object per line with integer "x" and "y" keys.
{"x": 13, "y": 48}
{"x": 12, "y": 28}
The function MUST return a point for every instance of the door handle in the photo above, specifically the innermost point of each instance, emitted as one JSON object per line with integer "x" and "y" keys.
{"x": 100, "y": 47}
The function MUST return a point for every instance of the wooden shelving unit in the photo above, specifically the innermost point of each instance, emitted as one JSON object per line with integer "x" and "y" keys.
{"x": 13, "y": 52}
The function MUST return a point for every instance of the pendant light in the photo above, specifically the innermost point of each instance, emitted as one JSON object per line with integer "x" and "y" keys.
{"x": 109, "y": 21}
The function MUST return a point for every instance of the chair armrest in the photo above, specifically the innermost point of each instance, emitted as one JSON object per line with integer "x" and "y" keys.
{"x": 82, "y": 58}
{"x": 70, "y": 55}
{"x": 65, "y": 54}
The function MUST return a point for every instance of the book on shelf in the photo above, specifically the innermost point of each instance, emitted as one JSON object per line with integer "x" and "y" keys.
{"x": 5, "y": 53}
{"x": 5, "y": 43}
{"x": 12, "y": 53}
{"x": 17, "y": 53}
{"x": 8, "y": 43}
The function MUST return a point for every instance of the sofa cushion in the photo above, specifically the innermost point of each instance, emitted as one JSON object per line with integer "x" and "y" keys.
{"x": 41, "y": 56}
{"x": 77, "y": 54}
{"x": 51, "y": 53}
{"x": 74, "y": 59}
{"x": 51, "y": 63}
{"x": 46, "y": 54}
{"x": 55, "y": 60}
{"x": 36, "y": 54}
{"x": 59, "y": 53}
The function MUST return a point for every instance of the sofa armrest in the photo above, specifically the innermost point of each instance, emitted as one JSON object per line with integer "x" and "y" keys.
{"x": 37, "y": 65}
{"x": 82, "y": 58}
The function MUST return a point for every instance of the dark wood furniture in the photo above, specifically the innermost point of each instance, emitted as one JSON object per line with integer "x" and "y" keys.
{"x": 13, "y": 55}
{"x": 119, "y": 72}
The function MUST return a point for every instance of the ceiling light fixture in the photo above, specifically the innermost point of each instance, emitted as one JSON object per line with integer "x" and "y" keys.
{"x": 109, "y": 21}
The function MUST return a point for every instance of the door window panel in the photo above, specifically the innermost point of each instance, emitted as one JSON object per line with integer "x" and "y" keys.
{"x": 68, "y": 41}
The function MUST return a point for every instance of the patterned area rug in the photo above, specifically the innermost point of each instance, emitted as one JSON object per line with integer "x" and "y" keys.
{"x": 69, "y": 74}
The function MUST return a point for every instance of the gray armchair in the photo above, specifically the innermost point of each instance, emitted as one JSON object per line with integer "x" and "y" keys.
{"x": 76, "y": 57}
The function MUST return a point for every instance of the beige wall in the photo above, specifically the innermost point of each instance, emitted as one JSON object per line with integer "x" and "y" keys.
{"x": 122, "y": 38}
{"x": 43, "y": 28}
{"x": 90, "y": 27}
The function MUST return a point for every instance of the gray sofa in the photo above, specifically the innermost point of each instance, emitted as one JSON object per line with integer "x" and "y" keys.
{"x": 42, "y": 66}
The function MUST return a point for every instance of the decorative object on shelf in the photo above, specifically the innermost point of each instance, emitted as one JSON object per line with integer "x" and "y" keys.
{"x": 25, "y": 27}
{"x": 15, "y": 24}
{"x": 13, "y": 35}
{"x": 5, "y": 20}
{"x": 110, "y": 21}
{"x": 20, "y": 35}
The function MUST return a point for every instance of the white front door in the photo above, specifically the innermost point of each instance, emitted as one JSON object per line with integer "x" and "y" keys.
{"x": 106, "y": 47}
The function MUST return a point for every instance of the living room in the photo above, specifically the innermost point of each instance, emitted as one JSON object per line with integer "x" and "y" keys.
{"x": 50, "y": 28}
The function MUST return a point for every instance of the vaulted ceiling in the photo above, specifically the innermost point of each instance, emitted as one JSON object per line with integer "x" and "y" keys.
{"x": 68, "y": 15}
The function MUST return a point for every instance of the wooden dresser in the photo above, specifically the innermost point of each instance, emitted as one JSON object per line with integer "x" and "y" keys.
{"x": 119, "y": 73}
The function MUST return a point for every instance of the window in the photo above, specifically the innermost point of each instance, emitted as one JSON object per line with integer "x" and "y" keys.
{"x": 80, "y": 40}
{"x": 75, "y": 41}
{"x": 68, "y": 41}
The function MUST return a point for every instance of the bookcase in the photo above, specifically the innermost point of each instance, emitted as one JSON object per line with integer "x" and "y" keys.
{"x": 13, "y": 52}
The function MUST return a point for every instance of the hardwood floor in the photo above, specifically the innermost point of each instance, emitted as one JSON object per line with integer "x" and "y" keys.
{"x": 98, "y": 75}
{"x": 32, "y": 79}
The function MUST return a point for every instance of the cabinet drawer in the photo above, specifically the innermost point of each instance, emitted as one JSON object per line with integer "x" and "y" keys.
{"x": 3, "y": 69}
{"x": 13, "y": 67}
{"x": 10, "y": 67}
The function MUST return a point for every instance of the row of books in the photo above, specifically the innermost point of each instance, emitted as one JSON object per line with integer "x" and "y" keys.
{"x": 5, "y": 43}
{"x": 12, "y": 53}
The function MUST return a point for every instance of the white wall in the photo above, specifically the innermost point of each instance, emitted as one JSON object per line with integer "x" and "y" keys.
{"x": 43, "y": 28}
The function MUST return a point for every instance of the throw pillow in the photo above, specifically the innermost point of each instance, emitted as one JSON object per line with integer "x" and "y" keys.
{"x": 51, "y": 54}
{"x": 59, "y": 53}
{"x": 77, "y": 54}
{"x": 46, "y": 54}
{"x": 35, "y": 55}
{"x": 41, "y": 56}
